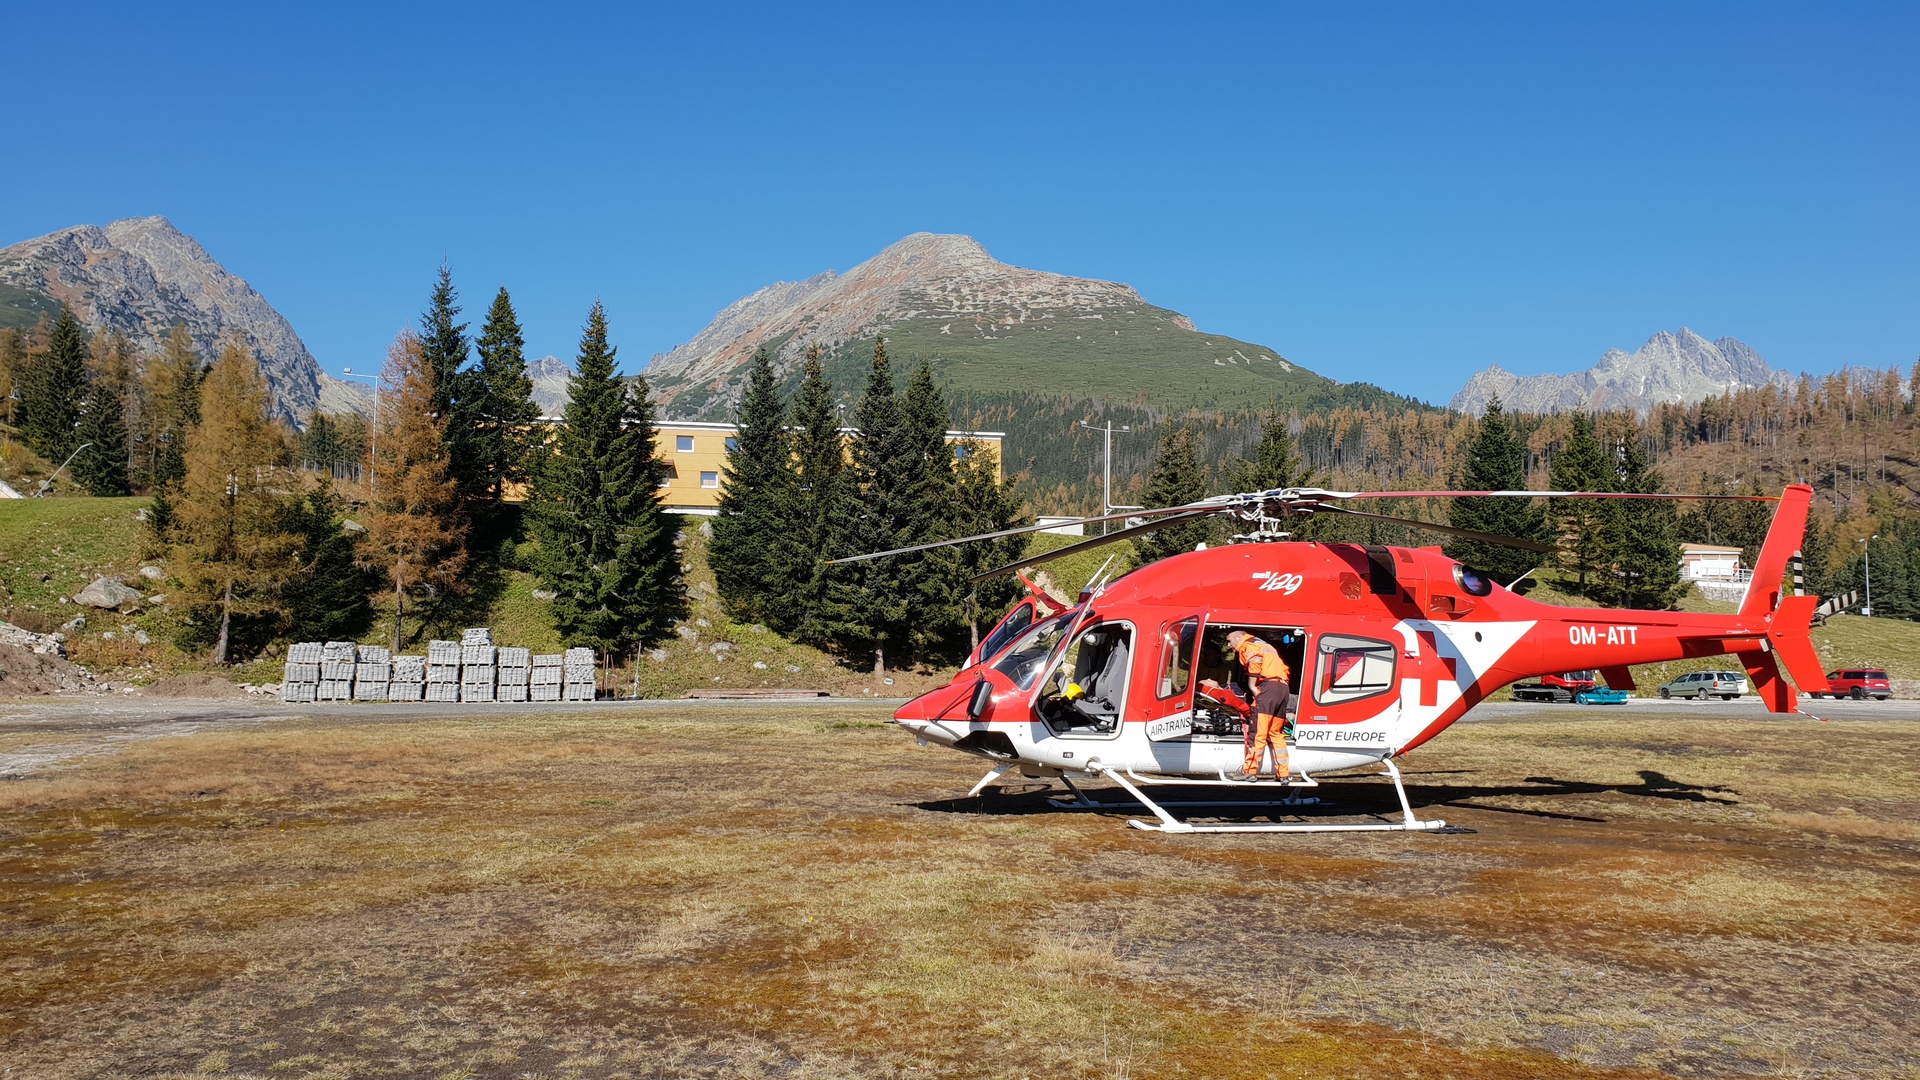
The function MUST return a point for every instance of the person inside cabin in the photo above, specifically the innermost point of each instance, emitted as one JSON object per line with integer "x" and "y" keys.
{"x": 1267, "y": 677}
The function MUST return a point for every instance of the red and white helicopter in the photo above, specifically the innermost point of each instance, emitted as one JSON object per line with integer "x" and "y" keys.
{"x": 1387, "y": 647}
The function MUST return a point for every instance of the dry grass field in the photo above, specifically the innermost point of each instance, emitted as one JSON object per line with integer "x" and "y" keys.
{"x": 666, "y": 891}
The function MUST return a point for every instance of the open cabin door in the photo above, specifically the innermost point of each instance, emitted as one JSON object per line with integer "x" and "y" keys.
{"x": 1011, "y": 626}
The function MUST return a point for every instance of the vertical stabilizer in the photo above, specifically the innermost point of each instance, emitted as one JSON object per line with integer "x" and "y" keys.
{"x": 1783, "y": 539}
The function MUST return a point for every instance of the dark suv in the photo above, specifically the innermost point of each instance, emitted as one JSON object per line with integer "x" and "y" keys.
{"x": 1859, "y": 684}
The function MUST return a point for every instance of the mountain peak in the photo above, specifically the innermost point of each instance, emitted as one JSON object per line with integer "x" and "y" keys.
{"x": 1673, "y": 366}
{"x": 140, "y": 277}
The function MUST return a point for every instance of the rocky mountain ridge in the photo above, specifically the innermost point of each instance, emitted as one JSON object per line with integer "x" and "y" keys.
{"x": 986, "y": 326}
{"x": 142, "y": 276}
{"x": 1680, "y": 367}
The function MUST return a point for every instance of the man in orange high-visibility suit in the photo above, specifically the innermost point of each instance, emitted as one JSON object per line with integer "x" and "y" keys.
{"x": 1267, "y": 677}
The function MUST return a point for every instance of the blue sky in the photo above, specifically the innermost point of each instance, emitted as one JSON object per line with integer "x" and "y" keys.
{"x": 1400, "y": 193}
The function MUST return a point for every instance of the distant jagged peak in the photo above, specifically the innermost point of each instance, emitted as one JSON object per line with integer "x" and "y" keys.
{"x": 1678, "y": 366}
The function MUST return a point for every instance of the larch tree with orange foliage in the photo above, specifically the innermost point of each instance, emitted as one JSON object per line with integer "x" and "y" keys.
{"x": 226, "y": 543}
{"x": 416, "y": 537}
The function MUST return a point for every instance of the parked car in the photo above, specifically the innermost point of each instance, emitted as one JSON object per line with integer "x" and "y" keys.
{"x": 1702, "y": 685}
{"x": 1601, "y": 695}
{"x": 1859, "y": 684}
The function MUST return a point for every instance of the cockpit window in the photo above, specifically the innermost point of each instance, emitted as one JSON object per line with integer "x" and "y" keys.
{"x": 1010, "y": 627}
{"x": 1087, "y": 689}
{"x": 1027, "y": 657}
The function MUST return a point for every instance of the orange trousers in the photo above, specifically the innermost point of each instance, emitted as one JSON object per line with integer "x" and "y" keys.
{"x": 1262, "y": 732}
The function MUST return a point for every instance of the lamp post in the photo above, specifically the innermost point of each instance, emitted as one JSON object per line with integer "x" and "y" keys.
{"x": 1866, "y": 553}
{"x": 373, "y": 431}
{"x": 1106, "y": 468}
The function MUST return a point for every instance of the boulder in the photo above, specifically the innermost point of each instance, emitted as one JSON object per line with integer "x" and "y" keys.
{"x": 152, "y": 573}
{"x": 108, "y": 593}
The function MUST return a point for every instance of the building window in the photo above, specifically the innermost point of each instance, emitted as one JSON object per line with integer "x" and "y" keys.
{"x": 672, "y": 474}
{"x": 732, "y": 444}
{"x": 683, "y": 443}
{"x": 709, "y": 479}
{"x": 961, "y": 450}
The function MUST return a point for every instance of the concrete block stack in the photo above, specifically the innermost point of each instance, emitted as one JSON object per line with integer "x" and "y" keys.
{"x": 372, "y": 671}
{"x": 471, "y": 669}
{"x": 478, "y": 661}
{"x": 336, "y": 671}
{"x": 443, "y": 671}
{"x": 301, "y": 680}
{"x": 515, "y": 668}
{"x": 580, "y": 684}
{"x": 409, "y": 679}
{"x": 543, "y": 678}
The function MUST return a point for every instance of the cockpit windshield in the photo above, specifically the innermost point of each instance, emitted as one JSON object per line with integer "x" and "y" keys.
{"x": 1027, "y": 657}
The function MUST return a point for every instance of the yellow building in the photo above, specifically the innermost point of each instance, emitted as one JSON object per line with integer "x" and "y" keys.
{"x": 696, "y": 456}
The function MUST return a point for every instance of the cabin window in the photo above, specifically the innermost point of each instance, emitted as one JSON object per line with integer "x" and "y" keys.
{"x": 683, "y": 443}
{"x": 1176, "y": 650}
{"x": 1352, "y": 668}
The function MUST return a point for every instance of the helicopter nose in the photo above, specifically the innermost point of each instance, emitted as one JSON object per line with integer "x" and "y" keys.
{"x": 947, "y": 703}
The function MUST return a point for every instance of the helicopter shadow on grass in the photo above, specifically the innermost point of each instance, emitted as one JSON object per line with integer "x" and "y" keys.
{"x": 1339, "y": 798}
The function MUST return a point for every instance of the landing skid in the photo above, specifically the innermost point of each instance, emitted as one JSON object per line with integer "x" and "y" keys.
{"x": 1169, "y": 823}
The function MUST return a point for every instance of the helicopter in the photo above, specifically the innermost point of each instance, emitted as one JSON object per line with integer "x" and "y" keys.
{"x": 1386, "y": 647}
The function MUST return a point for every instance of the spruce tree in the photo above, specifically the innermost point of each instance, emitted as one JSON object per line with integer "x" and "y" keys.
{"x": 755, "y": 501}
{"x": 1639, "y": 538}
{"x": 53, "y": 390}
{"x": 456, "y": 391}
{"x": 13, "y": 355}
{"x": 327, "y": 594}
{"x": 930, "y": 581}
{"x": 506, "y": 411}
{"x": 1275, "y": 463}
{"x": 230, "y": 551}
{"x": 864, "y": 607}
{"x": 605, "y": 546}
{"x": 416, "y": 537}
{"x": 101, "y": 468}
{"x": 1495, "y": 461}
{"x": 819, "y": 473}
{"x": 1581, "y": 465}
{"x": 1176, "y": 479}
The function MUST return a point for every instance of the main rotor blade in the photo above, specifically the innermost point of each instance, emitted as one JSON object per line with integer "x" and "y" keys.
{"x": 1207, "y": 504}
{"x": 1552, "y": 495}
{"x": 1415, "y": 523}
{"x": 1098, "y": 541}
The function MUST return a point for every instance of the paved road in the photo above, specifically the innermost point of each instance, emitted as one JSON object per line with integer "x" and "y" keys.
{"x": 38, "y": 734}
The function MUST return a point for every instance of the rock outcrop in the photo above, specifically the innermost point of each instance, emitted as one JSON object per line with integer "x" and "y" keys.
{"x": 141, "y": 276}
{"x": 1671, "y": 367}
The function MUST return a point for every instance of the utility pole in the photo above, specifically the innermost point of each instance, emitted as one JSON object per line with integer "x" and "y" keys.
{"x": 373, "y": 432}
{"x": 1106, "y": 468}
{"x": 1866, "y": 552}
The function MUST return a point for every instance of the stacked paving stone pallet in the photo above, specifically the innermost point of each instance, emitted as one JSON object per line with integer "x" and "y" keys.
{"x": 443, "y": 671}
{"x": 580, "y": 685}
{"x": 409, "y": 679}
{"x": 336, "y": 671}
{"x": 515, "y": 668}
{"x": 302, "y": 678}
{"x": 543, "y": 679}
{"x": 471, "y": 669}
{"x": 477, "y": 663}
{"x": 371, "y": 673}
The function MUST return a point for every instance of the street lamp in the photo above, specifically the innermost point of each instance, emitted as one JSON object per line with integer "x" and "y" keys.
{"x": 1106, "y": 469}
{"x": 373, "y": 431}
{"x": 1866, "y": 552}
